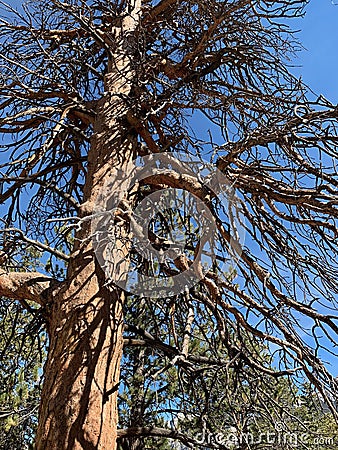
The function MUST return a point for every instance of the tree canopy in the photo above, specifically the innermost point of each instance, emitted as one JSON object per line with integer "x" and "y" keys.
{"x": 197, "y": 91}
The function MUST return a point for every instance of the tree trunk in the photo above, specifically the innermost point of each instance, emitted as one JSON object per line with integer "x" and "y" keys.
{"x": 79, "y": 398}
{"x": 85, "y": 319}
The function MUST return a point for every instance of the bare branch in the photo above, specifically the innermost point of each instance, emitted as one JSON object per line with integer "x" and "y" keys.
{"x": 32, "y": 286}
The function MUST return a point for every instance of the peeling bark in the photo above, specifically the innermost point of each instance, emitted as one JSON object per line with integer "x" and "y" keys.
{"x": 79, "y": 398}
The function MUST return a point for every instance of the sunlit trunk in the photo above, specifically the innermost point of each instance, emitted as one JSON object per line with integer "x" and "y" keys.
{"x": 79, "y": 399}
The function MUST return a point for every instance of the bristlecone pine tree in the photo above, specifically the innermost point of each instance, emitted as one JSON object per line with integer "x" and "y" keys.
{"x": 86, "y": 87}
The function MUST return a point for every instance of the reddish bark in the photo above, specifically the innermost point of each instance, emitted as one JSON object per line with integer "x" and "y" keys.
{"x": 79, "y": 398}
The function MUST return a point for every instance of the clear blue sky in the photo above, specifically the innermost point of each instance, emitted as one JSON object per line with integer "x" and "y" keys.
{"x": 319, "y": 36}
